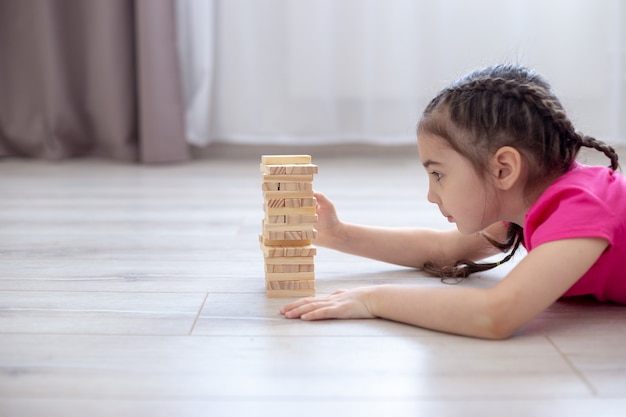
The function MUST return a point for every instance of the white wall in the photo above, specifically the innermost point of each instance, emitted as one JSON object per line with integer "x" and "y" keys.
{"x": 326, "y": 71}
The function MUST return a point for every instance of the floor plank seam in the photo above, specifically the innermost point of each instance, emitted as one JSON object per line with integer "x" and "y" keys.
{"x": 570, "y": 364}
{"x": 195, "y": 321}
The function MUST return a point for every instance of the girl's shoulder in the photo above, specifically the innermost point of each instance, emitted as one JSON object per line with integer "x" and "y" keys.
{"x": 596, "y": 181}
{"x": 586, "y": 201}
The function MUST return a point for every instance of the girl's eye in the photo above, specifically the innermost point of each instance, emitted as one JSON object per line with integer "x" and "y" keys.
{"x": 437, "y": 175}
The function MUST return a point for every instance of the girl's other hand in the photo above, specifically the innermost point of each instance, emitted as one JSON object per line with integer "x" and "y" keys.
{"x": 341, "y": 304}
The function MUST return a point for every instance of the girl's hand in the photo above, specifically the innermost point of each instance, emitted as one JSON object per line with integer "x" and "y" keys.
{"x": 328, "y": 223}
{"x": 341, "y": 304}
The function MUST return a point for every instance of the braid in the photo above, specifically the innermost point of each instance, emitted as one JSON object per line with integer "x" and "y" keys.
{"x": 464, "y": 268}
{"x": 537, "y": 95}
{"x": 609, "y": 151}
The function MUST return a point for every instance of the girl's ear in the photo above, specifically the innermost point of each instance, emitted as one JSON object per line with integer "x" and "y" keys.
{"x": 506, "y": 167}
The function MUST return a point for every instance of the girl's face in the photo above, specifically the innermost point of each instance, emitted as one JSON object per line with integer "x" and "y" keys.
{"x": 461, "y": 194}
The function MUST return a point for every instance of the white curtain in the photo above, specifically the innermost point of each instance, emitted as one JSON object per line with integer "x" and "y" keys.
{"x": 331, "y": 71}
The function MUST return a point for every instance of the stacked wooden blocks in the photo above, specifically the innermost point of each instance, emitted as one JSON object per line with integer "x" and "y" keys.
{"x": 288, "y": 233}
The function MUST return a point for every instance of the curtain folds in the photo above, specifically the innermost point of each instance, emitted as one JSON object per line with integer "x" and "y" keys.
{"x": 196, "y": 32}
{"x": 332, "y": 71}
{"x": 90, "y": 77}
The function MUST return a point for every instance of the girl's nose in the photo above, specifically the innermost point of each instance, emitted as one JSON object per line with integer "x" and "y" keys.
{"x": 432, "y": 197}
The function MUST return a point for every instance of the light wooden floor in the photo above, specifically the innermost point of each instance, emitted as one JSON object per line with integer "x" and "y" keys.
{"x": 132, "y": 290}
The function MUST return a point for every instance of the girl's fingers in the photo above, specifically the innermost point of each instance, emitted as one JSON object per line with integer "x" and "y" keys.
{"x": 319, "y": 196}
{"x": 294, "y": 305}
{"x": 296, "y": 310}
{"x": 322, "y": 200}
{"x": 310, "y": 307}
{"x": 320, "y": 313}
{"x": 313, "y": 308}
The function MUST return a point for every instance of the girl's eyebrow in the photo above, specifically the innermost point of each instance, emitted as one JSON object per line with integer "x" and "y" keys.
{"x": 430, "y": 162}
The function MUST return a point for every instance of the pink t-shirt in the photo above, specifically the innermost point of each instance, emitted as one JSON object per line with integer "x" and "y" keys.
{"x": 587, "y": 201}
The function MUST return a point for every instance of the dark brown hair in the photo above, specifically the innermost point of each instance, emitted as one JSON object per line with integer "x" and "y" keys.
{"x": 506, "y": 105}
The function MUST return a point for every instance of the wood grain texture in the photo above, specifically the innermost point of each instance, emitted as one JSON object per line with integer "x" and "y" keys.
{"x": 285, "y": 159}
{"x": 289, "y": 169}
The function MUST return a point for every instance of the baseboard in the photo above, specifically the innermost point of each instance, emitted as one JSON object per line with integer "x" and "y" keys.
{"x": 238, "y": 151}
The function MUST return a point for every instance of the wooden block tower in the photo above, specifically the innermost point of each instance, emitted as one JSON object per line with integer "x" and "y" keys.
{"x": 287, "y": 231}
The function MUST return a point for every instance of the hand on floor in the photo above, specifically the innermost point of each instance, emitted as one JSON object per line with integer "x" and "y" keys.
{"x": 341, "y": 304}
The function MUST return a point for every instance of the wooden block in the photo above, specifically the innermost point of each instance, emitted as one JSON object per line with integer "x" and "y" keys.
{"x": 288, "y": 186}
{"x": 300, "y": 202}
{"x": 287, "y": 227}
{"x": 291, "y": 178}
{"x": 288, "y": 268}
{"x": 285, "y": 159}
{"x": 290, "y": 235}
{"x": 269, "y": 195}
{"x": 291, "y": 202}
{"x": 290, "y": 260}
{"x": 291, "y": 285}
{"x": 289, "y": 169}
{"x": 280, "y": 211}
{"x": 289, "y": 276}
{"x": 288, "y": 251}
{"x": 283, "y": 242}
{"x": 290, "y": 293}
{"x": 292, "y": 288}
{"x": 291, "y": 218}
{"x": 282, "y": 269}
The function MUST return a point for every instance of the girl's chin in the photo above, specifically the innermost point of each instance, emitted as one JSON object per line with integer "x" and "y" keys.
{"x": 465, "y": 230}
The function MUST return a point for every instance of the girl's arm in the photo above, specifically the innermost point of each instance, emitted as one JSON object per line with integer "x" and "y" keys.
{"x": 401, "y": 246}
{"x": 533, "y": 285}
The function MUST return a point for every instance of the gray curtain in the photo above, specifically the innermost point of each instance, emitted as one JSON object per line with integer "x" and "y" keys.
{"x": 90, "y": 78}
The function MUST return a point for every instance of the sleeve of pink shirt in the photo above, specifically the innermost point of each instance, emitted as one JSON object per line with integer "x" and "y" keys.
{"x": 571, "y": 213}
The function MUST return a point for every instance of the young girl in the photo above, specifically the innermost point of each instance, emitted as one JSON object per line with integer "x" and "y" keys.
{"x": 500, "y": 154}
